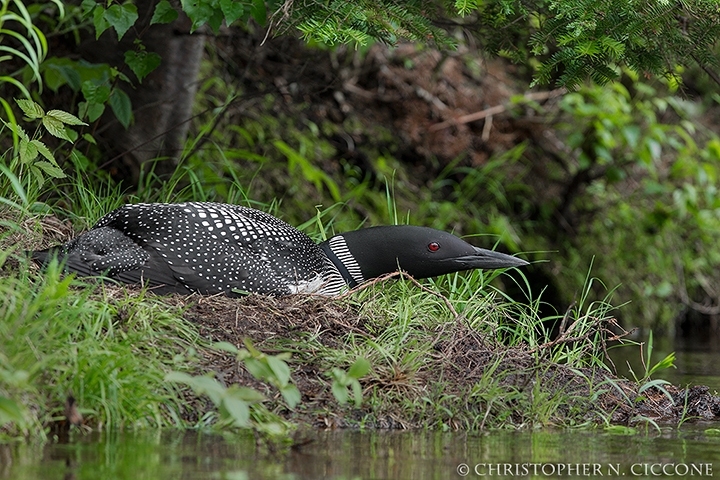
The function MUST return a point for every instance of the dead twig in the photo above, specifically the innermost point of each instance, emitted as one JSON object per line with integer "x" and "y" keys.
{"x": 603, "y": 330}
{"x": 497, "y": 109}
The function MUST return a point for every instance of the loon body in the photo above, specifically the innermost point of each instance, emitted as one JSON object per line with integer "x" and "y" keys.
{"x": 212, "y": 248}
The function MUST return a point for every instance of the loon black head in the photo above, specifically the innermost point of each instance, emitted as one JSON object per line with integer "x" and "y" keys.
{"x": 420, "y": 251}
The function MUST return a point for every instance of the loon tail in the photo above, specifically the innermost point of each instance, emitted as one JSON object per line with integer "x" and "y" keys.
{"x": 43, "y": 257}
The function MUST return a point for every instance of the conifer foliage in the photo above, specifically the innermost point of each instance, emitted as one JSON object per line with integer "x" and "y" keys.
{"x": 566, "y": 41}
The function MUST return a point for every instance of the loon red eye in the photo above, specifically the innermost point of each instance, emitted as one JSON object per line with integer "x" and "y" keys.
{"x": 434, "y": 246}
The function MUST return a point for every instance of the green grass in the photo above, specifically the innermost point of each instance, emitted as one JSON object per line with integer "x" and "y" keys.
{"x": 109, "y": 350}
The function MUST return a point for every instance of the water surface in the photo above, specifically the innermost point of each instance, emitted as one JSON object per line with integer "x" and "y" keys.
{"x": 352, "y": 454}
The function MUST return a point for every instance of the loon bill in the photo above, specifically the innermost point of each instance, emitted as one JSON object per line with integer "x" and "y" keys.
{"x": 211, "y": 248}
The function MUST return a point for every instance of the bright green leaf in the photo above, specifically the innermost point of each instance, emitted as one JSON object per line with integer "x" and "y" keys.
{"x": 44, "y": 151}
{"x": 28, "y": 151}
{"x": 50, "y": 169}
{"x": 10, "y": 411}
{"x": 38, "y": 175}
{"x": 16, "y": 129}
{"x": 340, "y": 393}
{"x": 280, "y": 369}
{"x": 55, "y": 127}
{"x": 258, "y": 369}
{"x": 95, "y": 92}
{"x": 359, "y": 369}
{"x": 291, "y": 394}
{"x": 65, "y": 117}
{"x": 201, "y": 385}
{"x": 30, "y": 109}
{"x": 357, "y": 393}
{"x": 246, "y": 394}
{"x": 91, "y": 111}
{"x": 226, "y": 347}
{"x": 164, "y": 13}
{"x": 235, "y": 409}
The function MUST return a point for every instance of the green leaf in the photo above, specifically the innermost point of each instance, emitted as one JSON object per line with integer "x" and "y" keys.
{"x": 30, "y": 109}
{"x": 235, "y": 409}
{"x": 357, "y": 393}
{"x": 50, "y": 169}
{"x": 53, "y": 78}
{"x": 121, "y": 106}
{"x": 95, "y": 92}
{"x": 28, "y": 151}
{"x": 164, "y": 13}
{"x": 65, "y": 117}
{"x": 99, "y": 21}
{"x": 215, "y": 20}
{"x": 258, "y": 11}
{"x": 340, "y": 393}
{"x": 291, "y": 394}
{"x": 80, "y": 161}
{"x": 258, "y": 369}
{"x": 16, "y": 129}
{"x": 232, "y": 10}
{"x": 38, "y": 175}
{"x": 360, "y": 368}
{"x": 87, "y": 7}
{"x": 91, "y": 110}
{"x": 121, "y": 17}
{"x": 55, "y": 127}
{"x": 226, "y": 347}
{"x": 201, "y": 385}
{"x": 142, "y": 62}
{"x": 247, "y": 394}
{"x": 10, "y": 411}
{"x": 280, "y": 369}
{"x": 44, "y": 151}
{"x": 198, "y": 11}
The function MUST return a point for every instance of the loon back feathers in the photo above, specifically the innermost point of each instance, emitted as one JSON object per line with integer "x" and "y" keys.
{"x": 197, "y": 247}
{"x": 212, "y": 248}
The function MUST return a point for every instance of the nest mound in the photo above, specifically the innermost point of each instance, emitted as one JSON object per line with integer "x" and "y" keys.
{"x": 458, "y": 359}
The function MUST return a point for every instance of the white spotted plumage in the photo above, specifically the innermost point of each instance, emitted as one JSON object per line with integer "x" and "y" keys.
{"x": 207, "y": 248}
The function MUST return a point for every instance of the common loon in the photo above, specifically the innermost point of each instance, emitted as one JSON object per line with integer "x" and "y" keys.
{"x": 210, "y": 248}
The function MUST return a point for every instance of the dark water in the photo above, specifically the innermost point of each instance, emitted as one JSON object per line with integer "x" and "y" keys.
{"x": 691, "y": 450}
{"x": 697, "y": 361}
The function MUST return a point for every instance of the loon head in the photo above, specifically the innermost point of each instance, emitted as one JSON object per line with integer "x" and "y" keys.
{"x": 422, "y": 252}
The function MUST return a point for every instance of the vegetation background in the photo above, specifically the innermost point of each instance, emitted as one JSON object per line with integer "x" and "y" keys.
{"x": 581, "y": 133}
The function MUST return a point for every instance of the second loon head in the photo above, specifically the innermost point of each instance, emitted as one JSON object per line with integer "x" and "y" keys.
{"x": 422, "y": 252}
